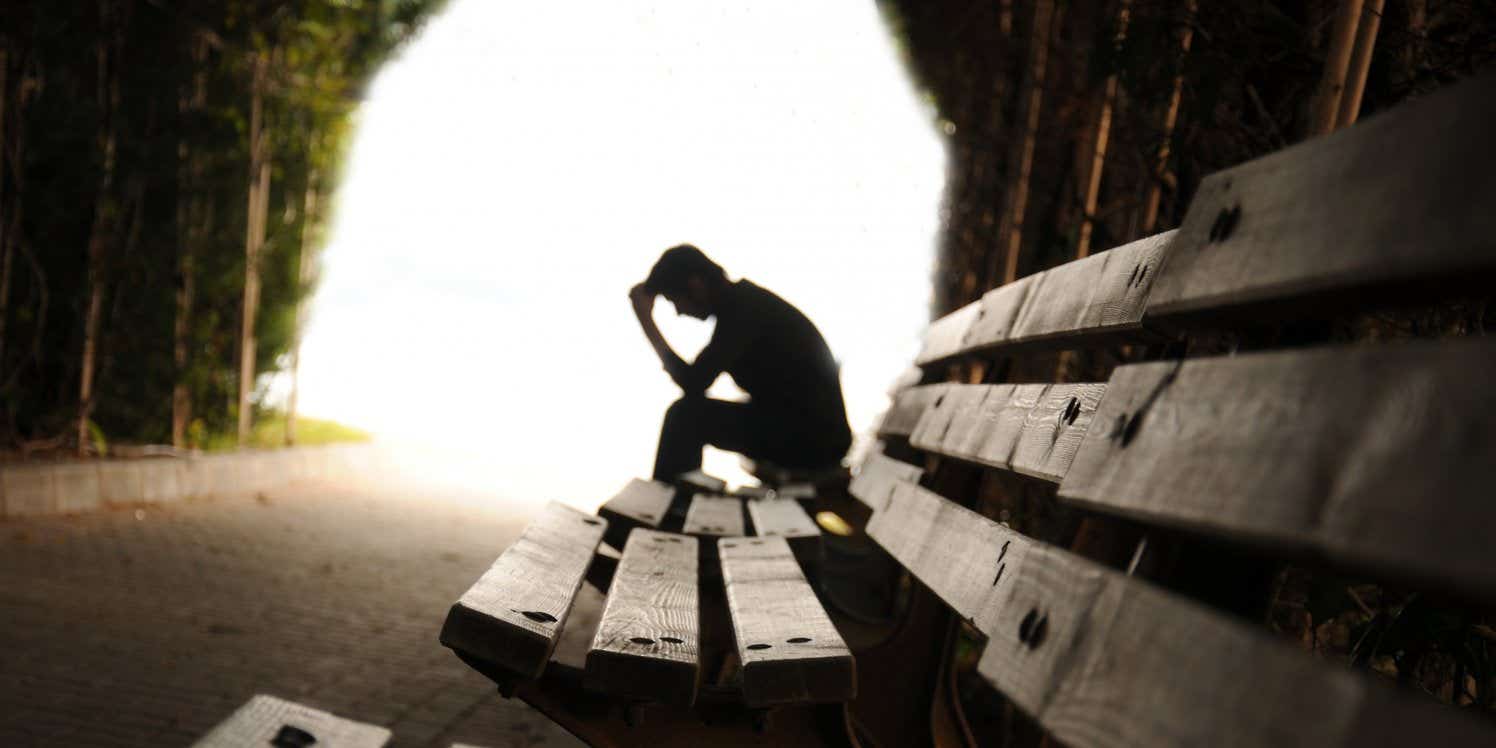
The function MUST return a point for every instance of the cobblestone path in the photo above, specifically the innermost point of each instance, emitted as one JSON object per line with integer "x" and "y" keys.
{"x": 147, "y": 627}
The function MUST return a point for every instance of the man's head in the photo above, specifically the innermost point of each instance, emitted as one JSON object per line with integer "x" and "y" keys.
{"x": 689, "y": 279}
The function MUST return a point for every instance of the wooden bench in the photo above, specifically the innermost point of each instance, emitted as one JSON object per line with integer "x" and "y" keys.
{"x": 1115, "y": 492}
{"x": 270, "y": 721}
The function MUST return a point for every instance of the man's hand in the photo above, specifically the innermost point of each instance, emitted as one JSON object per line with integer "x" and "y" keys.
{"x": 642, "y": 298}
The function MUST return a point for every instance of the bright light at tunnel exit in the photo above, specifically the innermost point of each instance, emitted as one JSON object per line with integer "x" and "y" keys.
{"x": 521, "y": 165}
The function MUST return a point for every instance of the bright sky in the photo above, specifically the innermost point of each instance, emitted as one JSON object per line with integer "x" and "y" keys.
{"x": 523, "y": 164}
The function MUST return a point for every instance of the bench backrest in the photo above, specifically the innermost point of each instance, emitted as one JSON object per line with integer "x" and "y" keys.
{"x": 1235, "y": 417}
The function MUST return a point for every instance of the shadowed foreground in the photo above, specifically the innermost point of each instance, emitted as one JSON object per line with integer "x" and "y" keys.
{"x": 142, "y": 628}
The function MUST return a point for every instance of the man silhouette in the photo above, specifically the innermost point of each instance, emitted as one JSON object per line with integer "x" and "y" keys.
{"x": 795, "y": 417}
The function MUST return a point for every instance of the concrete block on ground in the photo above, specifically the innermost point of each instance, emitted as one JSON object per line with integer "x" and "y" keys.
{"x": 160, "y": 480}
{"x": 120, "y": 481}
{"x": 195, "y": 478}
{"x": 28, "y": 490}
{"x": 76, "y": 486}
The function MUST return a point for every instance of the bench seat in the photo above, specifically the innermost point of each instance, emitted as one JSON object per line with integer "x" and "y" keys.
{"x": 271, "y": 721}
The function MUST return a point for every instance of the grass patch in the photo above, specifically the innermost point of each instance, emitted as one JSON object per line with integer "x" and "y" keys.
{"x": 270, "y": 433}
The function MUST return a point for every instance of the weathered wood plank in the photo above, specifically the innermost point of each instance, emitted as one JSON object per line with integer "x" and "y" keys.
{"x": 512, "y": 616}
{"x": 789, "y": 649}
{"x": 716, "y": 516}
{"x": 1402, "y": 197}
{"x": 966, "y": 559}
{"x": 783, "y": 518}
{"x": 1054, "y": 428}
{"x": 1106, "y": 661}
{"x": 641, "y": 503}
{"x": 986, "y": 424}
{"x": 946, "y": 336}
{"x": 647, "y": 644}
{"x": 1091, "y": 298}
{"x": 701, "y": 481}
{"x": 1381, "y": 456}
{"x": 999, "y": 311}
{"x": 954, "y": 419}
{"x": 260, "y": 720}
{"x": 907, "y": 408}
{"x": 1103, "y": 294}
{"x": 876, "y": 477}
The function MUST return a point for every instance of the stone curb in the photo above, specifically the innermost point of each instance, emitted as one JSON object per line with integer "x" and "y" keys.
{"x": 66, "y": 487}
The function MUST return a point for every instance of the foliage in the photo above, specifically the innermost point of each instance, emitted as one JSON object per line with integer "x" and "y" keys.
{"x": 270, "y": 433}
{"x": 169, "y": 84}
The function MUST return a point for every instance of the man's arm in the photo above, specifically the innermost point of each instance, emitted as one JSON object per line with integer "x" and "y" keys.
{"x": 695, "y": 377}
{"x": 643, "y": 301}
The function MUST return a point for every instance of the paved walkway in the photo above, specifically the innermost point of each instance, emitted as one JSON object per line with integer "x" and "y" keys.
{"x": 148, "y": 627}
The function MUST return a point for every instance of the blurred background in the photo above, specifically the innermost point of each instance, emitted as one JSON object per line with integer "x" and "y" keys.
{"x": 232, "y": 215}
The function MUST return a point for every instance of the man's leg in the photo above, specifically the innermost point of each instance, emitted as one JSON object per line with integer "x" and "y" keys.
{"x": 694, "y": 422}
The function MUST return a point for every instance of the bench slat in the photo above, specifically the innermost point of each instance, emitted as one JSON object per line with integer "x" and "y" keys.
{"x": 1104, "y": 660}
{"x": 1033, "y": 429}
{"x": 877, "y": 476}
{"x": 1085, "y": 300}
{"x": 1120, "y": 663}
{"x": 907, "y": 408}
{"x": 945, "y": 337}
{"x": 641, "y": 503}
{"x": 1054, "y": 429}
{"x": 1377, "y": 455}
{"x": 261, "y": 719}
{"x": 999, "y": 312}
{"x": 957, "y": 553}
{"x": 1102, "y": 294}
{"x": 714, "y": 515}
{"x": 646, "y": 647}
{"x": 783, "y": 518}
{"x": 788, "y": 647}
{"x": 513, "y": 615}
{"x": 1401, "y": 197}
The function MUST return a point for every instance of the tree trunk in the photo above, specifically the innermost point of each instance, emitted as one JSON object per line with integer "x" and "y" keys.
{"x": 1149, "y": 224}
{"x": 1326, "y": 105}
{"x": 1031, "y": 99}
{"x": 1355, "y": 79}
{"x": 1092, "y": 166}
{"x": 190, "y": 231}
{"x": 104, "y": 219}
{"x": 304, "y": 265}
{"x": 254, "y": 241}
{"x": 5, "y": 200}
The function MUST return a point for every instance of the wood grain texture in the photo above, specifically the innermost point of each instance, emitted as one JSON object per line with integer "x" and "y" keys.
{"x": 647, "y": 643}
{"x": 945, "y": 337}
{"x": 716, "y": 516}
{"x": 640, "y": 503}
{"x": 261, "y": 718}
{"x": 966, "y": 559}
{"x": 954, "y": 421}
{"x": 1033, "y": 429}
{"x": 999, "y": 311}
{"x": 1122, "y": 664}
{"x": 783, "y": 518}
{"x": 907, "y": 408}
{"x": 1381, "y": 456}
{"x": 876, "y": 477}
{"x": 512, "y": 616}
{"x": 1097, "y": 295}
{"x": 789, "y": 649}
{"x": 1403, "y": 196}
{"x": 1054, "y": 428}
{"x": 1106, "y": 661}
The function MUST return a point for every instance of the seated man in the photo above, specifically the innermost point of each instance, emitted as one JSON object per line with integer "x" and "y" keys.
{"x": 795, "y": 417}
